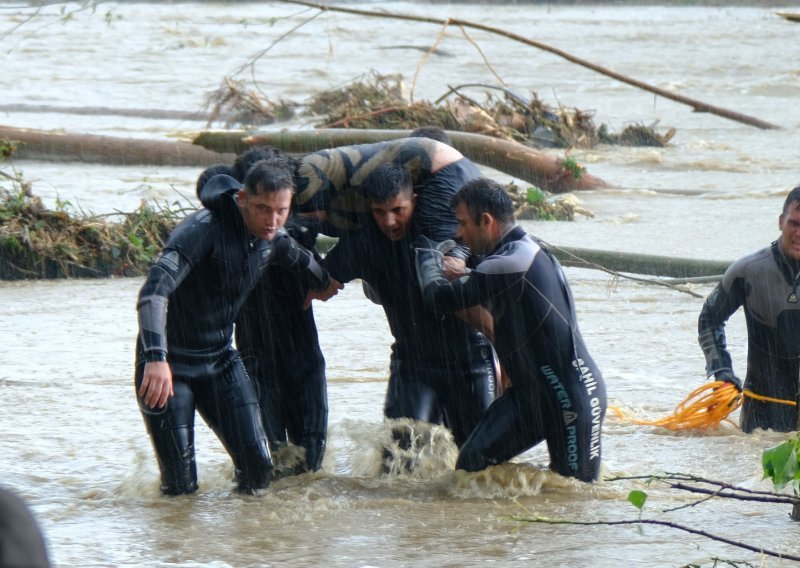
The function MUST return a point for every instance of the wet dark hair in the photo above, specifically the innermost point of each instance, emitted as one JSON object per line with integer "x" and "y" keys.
{"x": 385, "y": 182}
{"x": 793, "y": 197}
{"x": 210, "y": 172}
{"x": 484, "y": 195}
{"x": 269, "y": 175}
{"x": 433, "y": 132}
{"x": 245, "y": 160}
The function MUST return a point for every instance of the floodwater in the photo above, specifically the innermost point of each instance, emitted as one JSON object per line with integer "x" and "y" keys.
{"x": 73, "y": 443}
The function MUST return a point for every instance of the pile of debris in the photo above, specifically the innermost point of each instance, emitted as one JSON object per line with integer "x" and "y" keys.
{"x": 37, "y": 242}
{"x": 380, "y": 102}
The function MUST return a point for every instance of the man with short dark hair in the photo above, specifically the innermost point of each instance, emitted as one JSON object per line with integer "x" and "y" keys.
{"x": 766, "y": 284}
{"x": 441, "y": 369}
{"x": 184, "y": 354}
{"x": 279, "y": 343}
{"x": 557, "y": 393}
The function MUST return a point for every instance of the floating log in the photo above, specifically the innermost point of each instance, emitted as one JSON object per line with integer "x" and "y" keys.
{"x": 57, "y": 146}
{"x": 528, "y": 164}
{"x": 652, "y": 265}
{"x": 686, "y": 269}
{"x": 791, "y": 16}
{"x": 158, "y": 114}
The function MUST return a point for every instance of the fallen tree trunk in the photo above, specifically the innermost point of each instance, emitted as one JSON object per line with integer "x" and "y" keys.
{"x": 528, "y": 164}
{"x": 705, "y": 271}
{"x": 57, "y": 146}
{"x": 532, "y": 166}
{"x": 158, "y": 114}
{"x": 652, "y": 265}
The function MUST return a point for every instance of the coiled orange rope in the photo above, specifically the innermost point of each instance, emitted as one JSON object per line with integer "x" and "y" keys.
{"x": 705, "y": 407}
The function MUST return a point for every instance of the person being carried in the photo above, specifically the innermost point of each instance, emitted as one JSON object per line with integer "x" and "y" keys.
{"x": 279, "y": 343}
{"x": 766, "y": 284}
{"x": 184, "y": 354}
{"x": 557, "y": 392}
{"x": 328, "y": 183}
{"x": 441, "y": 369}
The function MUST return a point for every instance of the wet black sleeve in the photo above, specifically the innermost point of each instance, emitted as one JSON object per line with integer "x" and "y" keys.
{"x": 445, "y": 296}
{"x": 720, "y": 305}
{"x": 290, "y": 254}
{"x": 344, "y": 261}
{"x": 189, "y": 243}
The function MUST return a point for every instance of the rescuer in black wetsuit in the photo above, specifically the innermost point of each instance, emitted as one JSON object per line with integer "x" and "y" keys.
{"x": 278, "y": 340}
{"x": 187, "y": 306}
{"x": 766, "y": 283}
{"x": 557, "y": 392}
{"x": 441, "y": 369}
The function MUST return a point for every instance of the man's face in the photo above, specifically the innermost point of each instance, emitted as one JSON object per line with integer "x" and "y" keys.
{"x": 264, "y": 213}
{"x": 394, "y": 216}
{"x": 789, "y": 224}
{"x": 475, "y": 235}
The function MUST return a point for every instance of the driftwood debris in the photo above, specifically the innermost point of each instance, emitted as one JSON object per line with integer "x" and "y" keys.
{"x": 57, "y": 146}
{"x": 697, "y": 106}
{"x": 653, "y": 265}
{"x": 790, "y": 16}
{"x": 528, "y": 164}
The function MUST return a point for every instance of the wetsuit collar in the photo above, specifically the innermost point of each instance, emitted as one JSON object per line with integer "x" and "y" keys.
{"x": 790, "y": 268}
{"x": 515, "y": 233}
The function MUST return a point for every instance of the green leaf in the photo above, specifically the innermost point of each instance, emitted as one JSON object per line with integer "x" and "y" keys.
{"x": 535, "y": 195}
{"x": 781, "y": 463}
{"x": 637, "y": 498}
{"x": 135, "y": 240}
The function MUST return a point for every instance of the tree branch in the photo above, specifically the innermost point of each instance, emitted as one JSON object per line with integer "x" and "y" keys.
{"x": 705, "y": 534}
{"x": 697, "y": 106}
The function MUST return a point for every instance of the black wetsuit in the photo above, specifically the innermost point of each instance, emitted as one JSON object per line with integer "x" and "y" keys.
{"x": 441, "y": 370}
{"x": 277, "y": 338}
{"x": 557, "y": 392}
{"x": 279, "y": 344}
{"x": 187, "y": 307}
{"x": 422, "y": 370}
{"x": 766, "y": 284}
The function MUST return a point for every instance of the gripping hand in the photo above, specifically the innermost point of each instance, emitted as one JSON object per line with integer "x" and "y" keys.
{"x": 429, "y": 260}
{"x": 728, "y": 376}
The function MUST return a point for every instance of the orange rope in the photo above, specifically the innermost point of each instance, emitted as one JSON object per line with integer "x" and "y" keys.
{"x": 705, "y": 407}
{"x": 763, "y": 398}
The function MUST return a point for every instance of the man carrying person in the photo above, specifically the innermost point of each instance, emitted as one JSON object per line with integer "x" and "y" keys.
{"x": 184, "y": 354}
{"x": 441, "y": 369}
{"x": 557, "y": 393}
{"x": 279, "y": 344}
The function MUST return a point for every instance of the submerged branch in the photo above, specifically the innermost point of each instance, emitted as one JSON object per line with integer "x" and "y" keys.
{"x": 669, "y": 524}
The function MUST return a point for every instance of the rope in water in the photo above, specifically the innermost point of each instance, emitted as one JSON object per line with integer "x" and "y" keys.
{"x": 705, "y": 407}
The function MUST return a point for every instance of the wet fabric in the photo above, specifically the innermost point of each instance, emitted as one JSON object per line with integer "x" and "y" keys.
{"x": 279, "y": 344}
{"x": 441, "y": 369}
{"x": 228, "y": 404}
{"x": 187, "y": 307}
{"x": 557, "y": 393}
{"x": 765, "y": 284}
